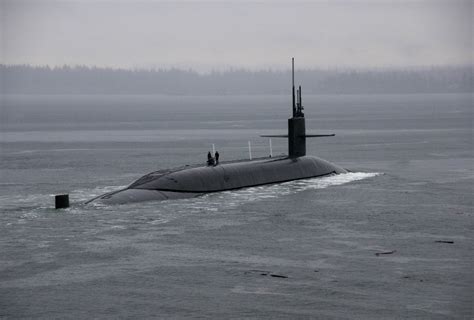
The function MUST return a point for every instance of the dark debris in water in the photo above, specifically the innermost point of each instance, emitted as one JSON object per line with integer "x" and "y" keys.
{"x": 266, "y": 273}
{"x": 386, "y": 252}
{"x": 413, "y": 278}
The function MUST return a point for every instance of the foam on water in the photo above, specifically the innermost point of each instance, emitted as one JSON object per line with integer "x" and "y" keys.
{"x": 83, "y": 195}
{"x": 229, "y": 199}
{"x": 218, "y": 203}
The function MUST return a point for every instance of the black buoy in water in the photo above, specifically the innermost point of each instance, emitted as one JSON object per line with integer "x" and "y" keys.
{"x": 61, "y": 201}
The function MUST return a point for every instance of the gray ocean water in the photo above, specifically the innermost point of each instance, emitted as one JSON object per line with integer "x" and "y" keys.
{"x": 300, "y": 250}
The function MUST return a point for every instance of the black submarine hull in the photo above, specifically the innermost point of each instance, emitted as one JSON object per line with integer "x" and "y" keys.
{"x": 195, "y": 181}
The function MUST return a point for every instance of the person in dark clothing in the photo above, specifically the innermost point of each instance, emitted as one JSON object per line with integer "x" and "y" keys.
{"x": 210, "y": 160}
{"x": 217, "y": 157}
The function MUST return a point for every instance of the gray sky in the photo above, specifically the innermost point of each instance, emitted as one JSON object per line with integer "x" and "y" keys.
{"x": 206, "y": 35}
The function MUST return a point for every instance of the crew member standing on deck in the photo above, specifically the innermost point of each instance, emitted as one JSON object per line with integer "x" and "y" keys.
{"x": 210, "y": 161}
{"x": 216, "y": 156}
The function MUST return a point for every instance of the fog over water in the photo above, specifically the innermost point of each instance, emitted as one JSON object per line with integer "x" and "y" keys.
{"x": 216, "y": 35}
{"x": 84, "y": 80}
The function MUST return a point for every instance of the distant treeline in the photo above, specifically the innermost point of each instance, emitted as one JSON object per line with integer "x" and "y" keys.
{"x": 25, "y": 79}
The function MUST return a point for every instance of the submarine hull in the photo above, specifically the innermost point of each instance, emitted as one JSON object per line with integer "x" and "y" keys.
{"x": 195, "y": 181}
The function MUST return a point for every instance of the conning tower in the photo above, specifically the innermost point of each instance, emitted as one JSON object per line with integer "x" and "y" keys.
{"x": 296, "y": 124}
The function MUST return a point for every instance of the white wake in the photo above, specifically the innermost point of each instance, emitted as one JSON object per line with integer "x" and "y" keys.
{"x": 237, "y": 197}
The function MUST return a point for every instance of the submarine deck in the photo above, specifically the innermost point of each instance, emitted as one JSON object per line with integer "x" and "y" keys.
{"x": 191, "y": 181}
{"x": 234, "y": 175}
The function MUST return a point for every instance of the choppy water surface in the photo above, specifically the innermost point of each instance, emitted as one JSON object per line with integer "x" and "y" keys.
{"x": 365, "y": 244}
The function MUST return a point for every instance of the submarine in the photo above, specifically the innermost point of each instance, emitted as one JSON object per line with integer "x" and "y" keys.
{"x": 193, "y": 181}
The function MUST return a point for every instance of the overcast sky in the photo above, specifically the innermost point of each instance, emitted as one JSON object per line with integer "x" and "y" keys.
{"x": 206, "y": 35}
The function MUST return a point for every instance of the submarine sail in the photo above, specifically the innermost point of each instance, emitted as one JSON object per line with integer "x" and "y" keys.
{"x": 296, "y": 125}
{"x": 201, "y": 179}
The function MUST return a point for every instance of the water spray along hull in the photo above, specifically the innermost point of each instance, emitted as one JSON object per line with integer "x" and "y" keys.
{"x": 192, "y": 182}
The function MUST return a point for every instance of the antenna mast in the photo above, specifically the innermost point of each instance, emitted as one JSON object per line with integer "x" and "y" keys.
{"x": 293, "y": 83}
